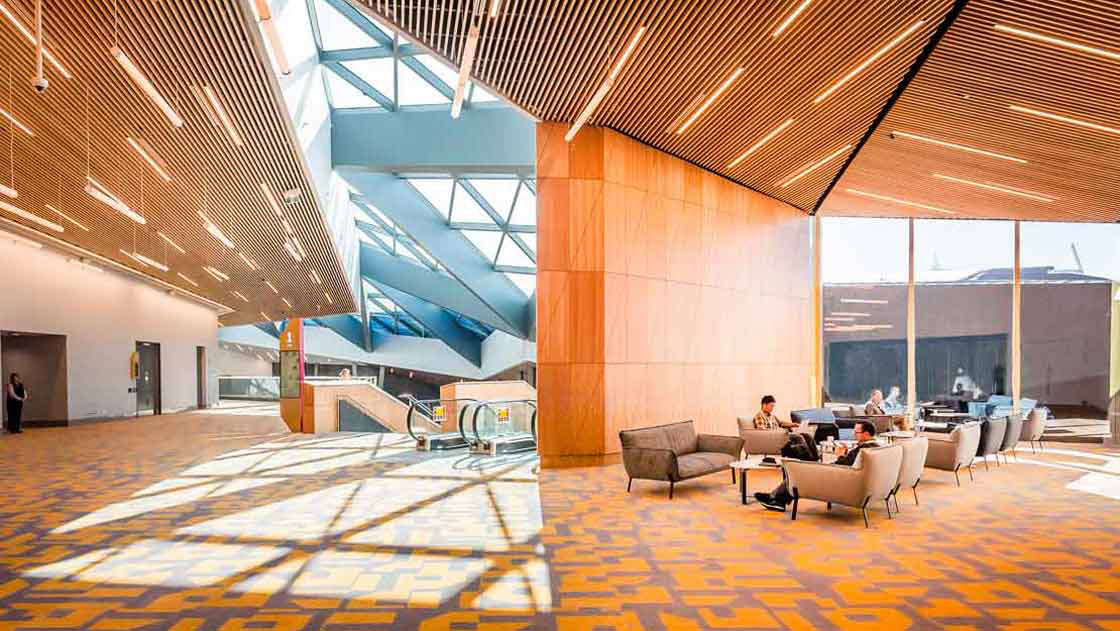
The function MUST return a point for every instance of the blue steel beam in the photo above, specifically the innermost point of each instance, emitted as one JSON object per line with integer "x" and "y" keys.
{"x": 370, "y": 52}
{"x": 346, "y": 325}
{"x": 439, "y": 321}
{"x": 429, "y": 285}
{"x": 482, "y": 140}
{"x": 406, "y": 243}
{"x": 365, "y": 88}
{"x": 269, "y": 327}
{"x": 414, "y": 215}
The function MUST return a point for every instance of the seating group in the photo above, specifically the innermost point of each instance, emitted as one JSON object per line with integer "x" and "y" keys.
{"x": 674, "y": 452}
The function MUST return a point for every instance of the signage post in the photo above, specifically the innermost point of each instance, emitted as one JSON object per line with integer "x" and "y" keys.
{"x": 292, "y": 375}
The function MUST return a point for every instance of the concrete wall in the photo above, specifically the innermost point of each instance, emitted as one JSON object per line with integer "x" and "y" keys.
{"x": 102, "y": 316}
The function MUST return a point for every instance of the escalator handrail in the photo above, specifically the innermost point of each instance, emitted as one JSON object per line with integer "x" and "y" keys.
{"x": 426, "y": 403}
{"x": 486, "y": 404}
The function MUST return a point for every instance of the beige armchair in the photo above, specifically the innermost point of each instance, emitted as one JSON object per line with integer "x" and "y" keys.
{"x": 873, "y": 480}
{"x": 914, "y": 452}
{"x": 1033, "y": 428}
{"x": 950, "y": 452}
{"x": 762, "y": 442}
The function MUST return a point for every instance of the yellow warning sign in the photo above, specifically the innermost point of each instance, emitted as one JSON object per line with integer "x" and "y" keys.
{"x": 503, "y": 415}
{"x": 438, "y": 411}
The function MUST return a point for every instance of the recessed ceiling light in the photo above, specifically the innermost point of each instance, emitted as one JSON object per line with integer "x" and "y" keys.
{"x": 896, "y": 200}
{"x": 171, "y": 243}
{"x": 98, "y": 191}
{"x": 1057, "y": 41}
{"x": 286, "y": 302}
{"x": 790, "y": 18}
{"x": 329, "y": 299}
{"x": 315, "y": 277}
{"x": 870, "y": 60}
{"x": 495, "y": 6}
{"x": 816, "y": 165}
{"x": 265, "y": 315}
{"x": 219, "y": 115}
{"x": 22, "y": 28}
{"x": 267, "y": 192}
{"x": 187, "y": 279}
{"x": 249, "y": 262}
{"x": 605, "y": 87}
{"x": 24, "y": 128}
{"x": 146, "y": 86}
{"x": 149, "y": 155}
{"x": 32, "y": 217}
{"x": 1065, "y": 119}
{"x": 710, "y": 100}
{"x": 239, "y": 295}
{"x": 64, "y": 216}
{"x": 272, "y": 287}
{"x": 215, "y": 231}
{"x": 953, "y": 145}
{"x": 994, "y": 187}
{"x": 756, "y": 146}
{"x": 148, "y": 261}
{"x": 216, "y": 273}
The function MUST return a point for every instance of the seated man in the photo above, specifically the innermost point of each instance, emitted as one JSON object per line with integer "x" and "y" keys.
{"x": 874, "y": 407}
{"x": 798, "y": 446}
{"x": 777, "y": 499}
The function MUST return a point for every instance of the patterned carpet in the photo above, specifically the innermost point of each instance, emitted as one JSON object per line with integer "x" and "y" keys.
{"x": 204, "y": 522}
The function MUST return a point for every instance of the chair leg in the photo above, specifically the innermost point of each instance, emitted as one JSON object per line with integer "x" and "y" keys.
{"x": 628, "y": 483}
{"x": 670, "y": 489}
{"x": 986, "y": 467}
{"x": 957, "y": 475}
{"x": 793, "y": 515}
{"x": 1033, "y": 450}
{"x": 828, "y": 505}
{"x": 887, "y": 501}
{"x": 915, "y": 489}
{"x": 733, "y": 476}
{"x": 866, "y": 523}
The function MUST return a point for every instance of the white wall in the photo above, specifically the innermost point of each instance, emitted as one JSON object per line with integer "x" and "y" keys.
{"x": 103, "y": 315}
{"x": 231, "y": 363}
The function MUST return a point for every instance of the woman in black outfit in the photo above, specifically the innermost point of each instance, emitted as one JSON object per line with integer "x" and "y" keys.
{"x": 17, "y": 394}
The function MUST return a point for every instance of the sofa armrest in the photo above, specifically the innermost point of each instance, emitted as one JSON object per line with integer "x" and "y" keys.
{"x": 825, "y": 482}
{"x": 942, "y": 453}
{"x": 731, "y": 445}
{"x": 650, "y": 464}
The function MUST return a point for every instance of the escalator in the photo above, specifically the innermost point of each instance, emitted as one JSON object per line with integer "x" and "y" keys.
{"x": 438, "y": 424}
{"x": 503, "y": 427}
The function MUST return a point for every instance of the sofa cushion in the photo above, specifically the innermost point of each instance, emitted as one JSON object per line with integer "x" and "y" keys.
{"x": 702, "y": 463}
{"x": 646, "y": 438}
{"x": 681, "y": 436}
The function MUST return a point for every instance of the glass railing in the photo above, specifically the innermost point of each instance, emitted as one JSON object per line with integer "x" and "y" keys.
{"x": 430, "y": 416}
{"x": 250, "y": 388}
{"x": 500, "y": 420}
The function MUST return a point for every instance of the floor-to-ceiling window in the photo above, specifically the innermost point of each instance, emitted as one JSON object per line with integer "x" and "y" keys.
{"x": 1068, "y": 295}
{"x": 864, "y": 274}
{"x": 963, "y": 270}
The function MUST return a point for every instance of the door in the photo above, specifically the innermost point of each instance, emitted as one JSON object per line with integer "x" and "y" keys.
{"x": 148, "y": 380}
{"x": 201, "y": 376}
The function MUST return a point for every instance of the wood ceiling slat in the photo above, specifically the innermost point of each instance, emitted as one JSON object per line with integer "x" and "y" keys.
{"x": 962, "y": 94}
{"x": 561, "y": 50}
{"x": 178, "y": 45}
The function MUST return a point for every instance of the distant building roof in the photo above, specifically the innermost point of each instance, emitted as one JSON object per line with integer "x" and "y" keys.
{"x": 1033, "y": 274}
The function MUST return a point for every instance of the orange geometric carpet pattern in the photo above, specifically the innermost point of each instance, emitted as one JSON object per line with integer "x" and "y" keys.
{"x": 222, "y": 522}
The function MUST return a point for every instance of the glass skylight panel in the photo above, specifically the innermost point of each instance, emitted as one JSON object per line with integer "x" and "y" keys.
{"x": 525, "y": 210}
{"x": 344, "y": 95}
{"x": 415, "y": 90}
{"x": 512, "y": 254}
{"x": 436, "y": 191}
{"x": 527, "y": 283}
{"x": 498, "y": 192}
{"x": 449, "y": 75}
{"x": 485, "y": 241}
{"x": 530, "y": 239}
{"x": 482, "y": 95}
{"x": 338, "y": 32}
{"x": 467, "y": 209}
{"x": 376, "y": 72}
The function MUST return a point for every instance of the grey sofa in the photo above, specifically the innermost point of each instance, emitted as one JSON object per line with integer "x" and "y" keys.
{"x": 1033, "y": 428}
{"x": 761, "y": 442}
{"x": 1011, "y": 437}
{"x": 674, "y": 452}
{"x": 992, "y": 432}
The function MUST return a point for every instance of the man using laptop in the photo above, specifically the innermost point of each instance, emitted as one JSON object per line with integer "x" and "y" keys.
{"x": 799, "y": 446}
{"x": 779, "y": 498}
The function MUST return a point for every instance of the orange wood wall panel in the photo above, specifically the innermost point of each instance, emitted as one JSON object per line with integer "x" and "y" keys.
{"x": 664, "y": 293}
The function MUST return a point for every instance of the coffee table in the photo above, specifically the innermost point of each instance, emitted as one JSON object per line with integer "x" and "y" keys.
{"x": 742, "y": 466}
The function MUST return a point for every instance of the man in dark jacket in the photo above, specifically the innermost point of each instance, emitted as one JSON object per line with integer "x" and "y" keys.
{"x": 779, "y": 498}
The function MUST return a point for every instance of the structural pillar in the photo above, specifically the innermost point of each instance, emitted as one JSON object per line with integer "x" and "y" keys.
{"x": 817, "y": 383}
{"x": 911, "y": 336}
{"x": 1016, "y": 329}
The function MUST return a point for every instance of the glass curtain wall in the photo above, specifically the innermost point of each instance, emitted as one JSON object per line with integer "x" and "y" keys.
{"x": 863, "y": 297}
{"x": 1069, "y": 299}
{"x": 963, "y": 273}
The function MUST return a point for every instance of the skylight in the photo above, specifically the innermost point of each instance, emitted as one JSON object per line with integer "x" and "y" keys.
{"x": 337, "y": 32}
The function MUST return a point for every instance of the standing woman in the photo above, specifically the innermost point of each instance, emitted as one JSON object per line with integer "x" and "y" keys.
{"x": 17, "y": 394}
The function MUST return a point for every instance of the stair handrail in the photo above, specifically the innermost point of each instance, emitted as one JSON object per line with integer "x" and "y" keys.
{"x": 488, "y": 404}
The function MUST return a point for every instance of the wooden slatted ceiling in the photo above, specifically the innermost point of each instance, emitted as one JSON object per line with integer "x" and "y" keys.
{"x": 963, "y": 95}
{"x": 178, "y": 45}
{"x": 549, "y": 57}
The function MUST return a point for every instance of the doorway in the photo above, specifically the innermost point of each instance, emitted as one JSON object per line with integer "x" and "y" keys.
{"x": 40, "y": 360}
{"x": 148, "y": 386}
{"x": 200, "y": 373}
